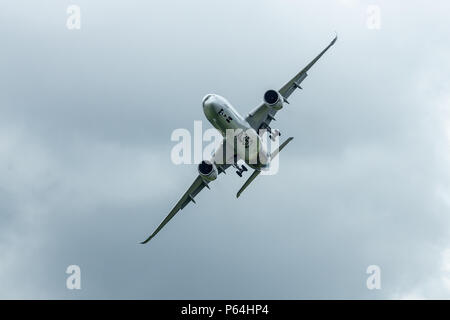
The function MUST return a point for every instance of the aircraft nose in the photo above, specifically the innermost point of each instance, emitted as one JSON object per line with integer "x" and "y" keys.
{"x": 206, "y": 100}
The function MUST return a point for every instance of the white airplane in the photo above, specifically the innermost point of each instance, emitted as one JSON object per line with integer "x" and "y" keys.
{"x": 247, "y": 145}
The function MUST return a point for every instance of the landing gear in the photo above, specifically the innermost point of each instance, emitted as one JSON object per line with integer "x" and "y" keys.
{"x": 274, "y": 133}
{"x": 240, "y": 169}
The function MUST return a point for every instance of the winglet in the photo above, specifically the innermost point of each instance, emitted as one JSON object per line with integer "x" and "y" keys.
{"x": 147, "y": 240}
{"x": 335, "y": 39}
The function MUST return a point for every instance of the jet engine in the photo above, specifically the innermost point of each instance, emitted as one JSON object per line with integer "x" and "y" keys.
{"x": 273, "y": 99}
{"x": 207, "y": 170}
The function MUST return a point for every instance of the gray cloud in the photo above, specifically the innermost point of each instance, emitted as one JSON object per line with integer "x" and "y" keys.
{"x": 85, "y": 167}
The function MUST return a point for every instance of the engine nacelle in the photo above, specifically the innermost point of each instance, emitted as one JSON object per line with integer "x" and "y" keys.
{"x": 207, "y": 170}
{"x": 273, "y": 99}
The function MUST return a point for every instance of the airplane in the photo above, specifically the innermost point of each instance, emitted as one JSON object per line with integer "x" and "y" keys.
{"x": 222, "y": 115}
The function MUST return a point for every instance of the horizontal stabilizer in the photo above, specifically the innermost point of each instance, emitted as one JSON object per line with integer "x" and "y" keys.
{"x": 274, "y": 154}
{"x": 249, "y": 180}
{"x": 257, "y": 172}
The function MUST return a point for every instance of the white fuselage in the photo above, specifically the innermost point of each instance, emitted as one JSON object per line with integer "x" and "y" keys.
{"x": 226, "y": 120}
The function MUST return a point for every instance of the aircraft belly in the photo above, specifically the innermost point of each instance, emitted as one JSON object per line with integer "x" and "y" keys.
{"x": 251, "y": 149}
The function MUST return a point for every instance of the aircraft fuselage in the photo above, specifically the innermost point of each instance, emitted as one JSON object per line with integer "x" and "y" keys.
{"x": 224, "y": 117}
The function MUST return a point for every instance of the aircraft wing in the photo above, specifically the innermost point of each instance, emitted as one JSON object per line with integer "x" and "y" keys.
{"x": 295, "y": 82}
{"x": 263, "y": 114}
{"x": 193, "y": 190}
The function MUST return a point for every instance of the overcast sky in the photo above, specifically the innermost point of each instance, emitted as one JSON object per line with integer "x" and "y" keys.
{"x": 85, "y": 170}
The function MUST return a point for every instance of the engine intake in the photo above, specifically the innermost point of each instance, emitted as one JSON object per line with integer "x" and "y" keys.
{"x": 207, "y": 170}
{"x": 273, "y": 99}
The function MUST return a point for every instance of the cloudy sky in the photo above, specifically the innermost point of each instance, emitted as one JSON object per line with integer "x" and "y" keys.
{"x": 85, "y": 171}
